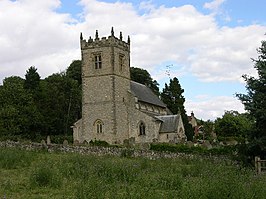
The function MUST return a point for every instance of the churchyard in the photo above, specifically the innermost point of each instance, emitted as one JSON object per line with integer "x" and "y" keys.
{"x": 55, "y": 174}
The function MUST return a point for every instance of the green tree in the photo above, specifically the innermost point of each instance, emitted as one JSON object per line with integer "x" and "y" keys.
{"x": 143, "y": 76}
{"x": 32, "y": 79}
{"x": 18, "y": 114}
{"x": 233, "y": 124}
{"x": 74, "y": 71}
{"x": 33, "y": 107}
{"x": 172, "y": 96}
{"x": 32, "y": 85}
{"x": 255, "y": 103}
{"x": 61, "y": 104}
{"x": 255, "y": 99}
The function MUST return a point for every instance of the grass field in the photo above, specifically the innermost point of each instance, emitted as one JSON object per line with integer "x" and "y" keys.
{"x": 29, "y": 174}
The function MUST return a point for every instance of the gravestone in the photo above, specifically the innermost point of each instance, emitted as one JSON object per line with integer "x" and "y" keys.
{"x": 48, "y": 140}
{"x": 65, "y": 143}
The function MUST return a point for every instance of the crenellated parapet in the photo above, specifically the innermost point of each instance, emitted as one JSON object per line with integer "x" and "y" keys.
{"x": 111, "y": 40}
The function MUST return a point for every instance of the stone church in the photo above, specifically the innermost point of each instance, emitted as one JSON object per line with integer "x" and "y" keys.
{"x": 114, "y": 108}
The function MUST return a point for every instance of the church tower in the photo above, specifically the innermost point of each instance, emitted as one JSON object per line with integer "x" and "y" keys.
{"x": 105, "y": 86}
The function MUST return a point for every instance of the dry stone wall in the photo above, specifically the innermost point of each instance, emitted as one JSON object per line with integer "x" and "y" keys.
{"x": 92, "y": 150}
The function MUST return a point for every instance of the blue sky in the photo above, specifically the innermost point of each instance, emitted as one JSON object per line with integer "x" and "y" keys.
{"x": 207, "y": 43}
{"x": 242, "y": 12}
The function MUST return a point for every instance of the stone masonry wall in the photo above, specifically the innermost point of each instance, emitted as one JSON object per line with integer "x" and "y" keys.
{"x": 104, "y": 90}
{"x": 91, "y": 150}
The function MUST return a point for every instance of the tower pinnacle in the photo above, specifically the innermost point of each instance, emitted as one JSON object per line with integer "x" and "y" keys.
{"x": 121, "y": 36}
{"x": 96, "y": 35}
{"x": 112, "y": 32}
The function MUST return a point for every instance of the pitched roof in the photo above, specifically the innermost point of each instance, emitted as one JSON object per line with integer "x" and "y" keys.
{"x": 144, "y": 94}
{"x": 169, "y": 123}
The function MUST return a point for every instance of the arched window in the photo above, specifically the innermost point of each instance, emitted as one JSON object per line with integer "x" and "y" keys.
{"x": 141, "y": 128}
{"x": 98, "y": 126}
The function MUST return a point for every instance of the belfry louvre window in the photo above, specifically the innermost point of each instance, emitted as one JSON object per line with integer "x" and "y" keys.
{"x": 141, "y": 128}
{"x": 98, "y": 61}
{"x": 121, "y": 62}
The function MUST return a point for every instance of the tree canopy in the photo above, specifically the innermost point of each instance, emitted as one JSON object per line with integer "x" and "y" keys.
{"x": 31, "y": 107}
{"x": 74, "y": 71}
{"x": 233, "y": 124}
{"x": 172, "y": 96}
{"x": 255, "y": 99}
{"x": 255, "y": 103}
{"x": 18, "y": 112}
{"x": 32, "y": 79}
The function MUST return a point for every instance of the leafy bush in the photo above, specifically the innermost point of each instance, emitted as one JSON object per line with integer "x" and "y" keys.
{"x": 182, "y": 148}
{"x": 59, "y": 139}
{"x": 163, "y": 147}
{"x": 99, "y": 143}
{"x": 225, "y": 150}
{"x": 239, "y": 139}
{"x": 247, "y": 152}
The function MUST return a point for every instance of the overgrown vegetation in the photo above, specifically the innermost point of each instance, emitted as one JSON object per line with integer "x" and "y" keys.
{"x": 60, "y": 175}
{"x": 182, "y": 148}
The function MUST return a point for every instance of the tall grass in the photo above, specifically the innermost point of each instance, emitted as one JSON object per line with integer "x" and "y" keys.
{"x": 45, "y": 175}
{"x": 59, "y": 175}
{"x": 14, "y": 158}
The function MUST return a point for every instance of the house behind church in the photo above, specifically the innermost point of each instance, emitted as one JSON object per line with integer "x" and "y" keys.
{"x": 114, "y": 108}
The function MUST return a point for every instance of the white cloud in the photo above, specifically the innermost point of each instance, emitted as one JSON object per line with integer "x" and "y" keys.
{"x": 180, "y": 35}
{"x": 214, "y": 5}
{"x": 212, "y": 107}
{"x": 227, "y": 57}
{"x": 36, "y": 34}
{"x": 217, "y": 10}
{"x": 31, "y": 33}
